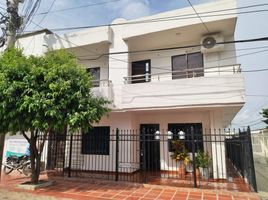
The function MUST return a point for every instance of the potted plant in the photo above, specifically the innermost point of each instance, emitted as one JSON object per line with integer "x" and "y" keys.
{"x": 203, "y": 162}
{"x": 180, "y": 154}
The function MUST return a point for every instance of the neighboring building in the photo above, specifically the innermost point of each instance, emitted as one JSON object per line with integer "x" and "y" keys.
{"x": 260, "y": 145}
{"x": 160, "y": 90}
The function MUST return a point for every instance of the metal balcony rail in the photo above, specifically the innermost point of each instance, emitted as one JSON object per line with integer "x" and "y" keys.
{"x": 101, "y": 83}
{"x": 182, "y": 74}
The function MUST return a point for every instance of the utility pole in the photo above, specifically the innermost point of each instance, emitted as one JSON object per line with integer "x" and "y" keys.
{"x": 14, "y": 21}
{"x": 13, "y": 24}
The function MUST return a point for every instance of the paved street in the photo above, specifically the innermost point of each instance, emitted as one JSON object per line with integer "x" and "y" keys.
{"x": 262, "y": 176}
{"x": 262, "y": 179}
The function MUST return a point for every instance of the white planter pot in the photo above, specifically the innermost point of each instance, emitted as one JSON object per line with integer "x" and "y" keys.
{"x": 204, "y": 172}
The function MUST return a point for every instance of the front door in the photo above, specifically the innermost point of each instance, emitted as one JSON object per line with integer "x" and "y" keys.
{"x": 141, "y": 71}
{"x": 150, "y": 148}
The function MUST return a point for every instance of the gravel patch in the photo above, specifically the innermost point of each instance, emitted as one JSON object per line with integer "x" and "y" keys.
{"x": 263, "y": 195}
{"x": 8, "y": 195}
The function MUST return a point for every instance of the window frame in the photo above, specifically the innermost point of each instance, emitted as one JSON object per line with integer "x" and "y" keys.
{"x": 103, "y": 147}
{"x": 95, "y": 83}
{"x": 187, "y": 75}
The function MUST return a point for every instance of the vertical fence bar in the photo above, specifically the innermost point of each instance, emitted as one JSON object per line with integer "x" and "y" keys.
{"x": 193, "y": 152}
{"x": 117, "y": 155}
{"x": 70, "y": 155}
{"x": 252, "y": 168}
{"x": 143, "y": 153}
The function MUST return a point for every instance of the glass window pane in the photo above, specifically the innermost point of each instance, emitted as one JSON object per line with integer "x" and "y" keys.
{"x": 95, "y": 73}
{"x": 195, "y": 65}
{"x": 96, "y": 141}
{"x": 179, "y": 65}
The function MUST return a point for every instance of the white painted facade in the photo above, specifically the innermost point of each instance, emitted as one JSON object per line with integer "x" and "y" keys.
{"x": 213, "y": 99}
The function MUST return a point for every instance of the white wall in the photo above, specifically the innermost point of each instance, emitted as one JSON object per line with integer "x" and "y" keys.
{"x": 144, "y": 28}
{"x": 80, "y": 38}
{"x": 124, "y": 121}
{"x": 33, "y": 45}
{"x": 161, "y": 61}
{"x": 20, "y": 147}
{"x": 218, "y": 148}
{"x": 184, "y": 92}
{"x": 129, "y": 151}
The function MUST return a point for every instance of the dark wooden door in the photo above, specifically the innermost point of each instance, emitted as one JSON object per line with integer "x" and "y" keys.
{"x": 141, "y": 71}
{"x": 150, "y": 147}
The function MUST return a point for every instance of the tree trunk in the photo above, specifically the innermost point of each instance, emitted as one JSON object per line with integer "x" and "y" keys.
{"x": 36, "y": 157}
{"x": 33, "y": 157}
{"x": 2, "y": 143}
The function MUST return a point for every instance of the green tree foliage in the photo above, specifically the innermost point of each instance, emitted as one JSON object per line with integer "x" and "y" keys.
{"x": 265, "y": 115}
{"x": 45, "y": 95}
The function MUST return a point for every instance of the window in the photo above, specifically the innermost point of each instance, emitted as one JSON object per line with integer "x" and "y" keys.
{"x": 95, "y": 73}
{"x": 186, "y": 128}
{"x": 141, "y": 71}
{"x": 187, "y": 66}
{"x": 96, "y": 141}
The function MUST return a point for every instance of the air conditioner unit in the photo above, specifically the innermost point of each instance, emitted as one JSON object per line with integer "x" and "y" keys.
{"x": 210, "y": 43}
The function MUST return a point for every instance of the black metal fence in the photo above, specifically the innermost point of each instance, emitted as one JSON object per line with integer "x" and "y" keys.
{"x": 181, "y": 156}
{"x": 239, "y": 151}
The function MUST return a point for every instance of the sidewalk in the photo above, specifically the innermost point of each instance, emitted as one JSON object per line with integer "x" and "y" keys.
{"x": 110, "y": 190}
{"x": 8, "y": 195}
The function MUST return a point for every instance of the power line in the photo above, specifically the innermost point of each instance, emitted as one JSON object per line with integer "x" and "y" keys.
{"x": 183, "y": 47}
{"x": 42, "y": 19}
{"x": 257, "y": 107}
{"x": 163, "y": 19}
{"x": 180, "y": 47}
{"x": 77, "y": 7}
{"x": 207, "y": 12}
{"x": 213, "y": 61}
{"x": 198, "y": 16}
{"x": 228, "y": 42}
{"x": 256, "y": 123}
{"x": 256, "y": 95}
{"x": 255, "y": 70}
{"x": 30, "y": 10}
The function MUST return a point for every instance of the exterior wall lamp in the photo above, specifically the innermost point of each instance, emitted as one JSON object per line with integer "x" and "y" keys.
{"x": 181, "y": 135}
{"x": 157, "y": 135}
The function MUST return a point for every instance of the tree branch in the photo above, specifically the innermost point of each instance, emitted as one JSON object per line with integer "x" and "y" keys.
{"x": 43, "y": 143}
{"x": 26, "y": 137}
{"x": 36, "y": 134}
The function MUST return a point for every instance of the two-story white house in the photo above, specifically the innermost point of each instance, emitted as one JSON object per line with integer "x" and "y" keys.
{"x": 161, "y": 72}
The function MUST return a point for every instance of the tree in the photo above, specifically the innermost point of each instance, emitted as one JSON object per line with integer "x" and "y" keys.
{"x": 265, "y": 115}
{"x": 45, "y": 95}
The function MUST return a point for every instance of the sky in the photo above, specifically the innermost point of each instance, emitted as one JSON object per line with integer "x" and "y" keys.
{"x": 248, "y": 26}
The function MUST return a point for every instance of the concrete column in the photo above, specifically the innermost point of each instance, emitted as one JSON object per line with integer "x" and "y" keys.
{"x": 119, "y": 63}
{"x": 217, "y": 145}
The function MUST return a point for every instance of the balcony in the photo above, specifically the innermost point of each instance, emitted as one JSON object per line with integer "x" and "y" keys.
{"x": 185, "y": 88}
{"x": 182, "y": 74}
{"x": 102, "y": 88}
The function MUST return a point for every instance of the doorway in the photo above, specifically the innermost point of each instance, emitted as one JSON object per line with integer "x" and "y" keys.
{"x": 150, "y": 148}
{"x": 141, "y": 71}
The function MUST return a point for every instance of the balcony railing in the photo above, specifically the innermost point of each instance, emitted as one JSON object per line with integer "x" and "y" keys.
{"x": 102, "y": 88}
{"x": 182, "y": 74}
{"x": 101, "y": 83}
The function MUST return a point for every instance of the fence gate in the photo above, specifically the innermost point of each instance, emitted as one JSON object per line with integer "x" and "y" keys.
{"x": 239, "y": 152}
